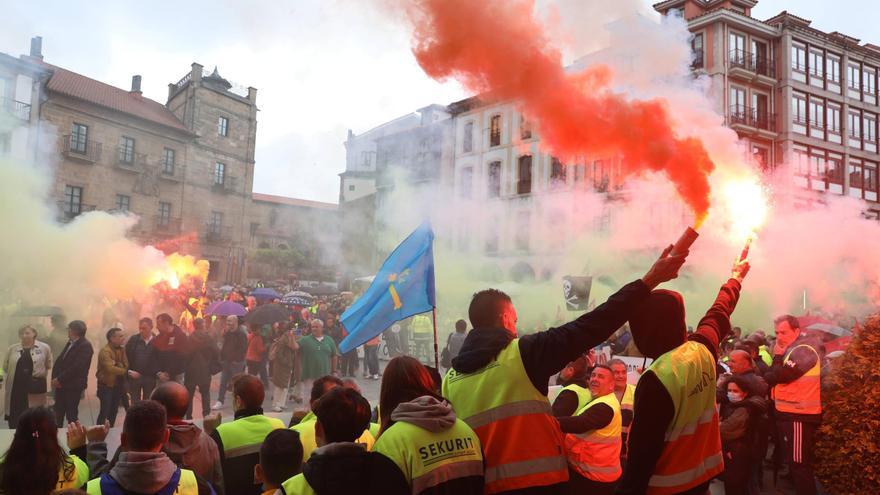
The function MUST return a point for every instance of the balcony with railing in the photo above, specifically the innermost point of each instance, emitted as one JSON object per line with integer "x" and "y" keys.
{"x": 127, "y": 159}
{"x": 173, "y": 172}
{"x": 15, "y": 108}
{"x": 750, "y": 65}
{"x": 67, "y": 211}
{"x": 745, "y": 118}
{"x": 164, "y": 225}
{"x": 217, "y": 234}
{"x": 88, "y": 151}
{"x": 227, "y": 186}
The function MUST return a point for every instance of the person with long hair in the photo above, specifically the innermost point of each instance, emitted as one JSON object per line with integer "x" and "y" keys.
{"x": 26, "y": 367}
{"x": 437, "y": 452}
{"x": 35, "y": 463}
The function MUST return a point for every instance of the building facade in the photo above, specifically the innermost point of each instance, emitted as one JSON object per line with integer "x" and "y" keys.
{"x": 183, "y": 169}
{"x": 794, "y": 94}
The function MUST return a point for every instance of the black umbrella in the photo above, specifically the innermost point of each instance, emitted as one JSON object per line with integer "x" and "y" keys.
{"x": 267, "y": 314}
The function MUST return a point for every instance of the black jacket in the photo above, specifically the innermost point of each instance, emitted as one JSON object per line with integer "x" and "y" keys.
{"x": 141, "y": 356}
{"x": 202, "y": 352}
{"x": 344, "y": 468}
{"x": 72, "y": 366}
{"x": 234, "y": 346}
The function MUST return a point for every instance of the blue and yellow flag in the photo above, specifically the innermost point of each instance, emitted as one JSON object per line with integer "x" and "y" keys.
{"x": 403, "y": 287}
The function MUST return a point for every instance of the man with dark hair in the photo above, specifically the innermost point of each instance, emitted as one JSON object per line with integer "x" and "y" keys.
{"x": 142, "y": 467}
{"x": 794, "y": 377}
{"x": 456, "y": 339}
{"x": 70, "y": 373}
{"x": 141, "y": 361}
{"x": 626, "y": 394}
{"x": 232, "y": 356}
{"x": 496, "y": 371}
{"x": 340, "y": 465}
{"x": 112, "y": 368}
{"x": 170, "y": 349}
{"x": 306, "y": 427}
{"x": 281, "y": 458}
{"x": 187, "y": 445}
{"x": 674, "y": 444}
{"x": 202, "y": 354}
{"x": 239, "y": 441}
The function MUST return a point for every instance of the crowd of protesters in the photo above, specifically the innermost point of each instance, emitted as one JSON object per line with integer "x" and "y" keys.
{"x": 714, "y": 403}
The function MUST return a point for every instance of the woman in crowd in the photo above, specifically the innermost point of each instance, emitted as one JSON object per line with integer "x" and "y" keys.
{"x": 26, "y": 366}
{"x": 741, "y": 413}
{"x": 282, "y": 361}
{"x": 35, "y": 463}
{"x": 413, "y": 414}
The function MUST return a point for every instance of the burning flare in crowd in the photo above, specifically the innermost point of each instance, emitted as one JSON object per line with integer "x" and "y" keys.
{"x": 499, "y": 50}
{"x": 178, "y": 268}
{"x": 746, "y": 204}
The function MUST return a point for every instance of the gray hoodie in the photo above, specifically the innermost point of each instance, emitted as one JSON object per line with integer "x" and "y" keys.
{"x": 425, "y": 412}
{"x": 192, "y": 448}
{"x": 143, "y": 472}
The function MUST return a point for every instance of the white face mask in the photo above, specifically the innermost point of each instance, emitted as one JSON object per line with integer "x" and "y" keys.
{"x": 734, "y": 397}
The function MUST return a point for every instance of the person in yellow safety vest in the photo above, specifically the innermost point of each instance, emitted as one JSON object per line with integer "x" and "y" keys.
{"x": 436, "y": 452}
{"x": 423, "y": 335}
{"x": 794, "y": 378}
{"x": 498, "y": 382}
{"x": 625, "y": 393}
{"x": 142, "y": 466}
{"x": 574, "y": 394}
{"x": 306, "y": 427}
{"x": 340, "y": 465}
{"x": 36, "y": 462}
{"x": 675, "y": 439}
{"x": 592, "y": 439}
{"x": 281, "y": 457}
{"x": 239, "y": 441}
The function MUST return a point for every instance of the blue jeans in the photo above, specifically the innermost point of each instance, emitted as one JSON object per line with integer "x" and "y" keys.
{"x": 230, "y": 370}
{"x": 110, "y": 398}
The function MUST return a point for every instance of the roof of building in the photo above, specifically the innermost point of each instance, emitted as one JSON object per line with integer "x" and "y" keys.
{"x": 78, "y": 86}
{"x": 284, "y": 200}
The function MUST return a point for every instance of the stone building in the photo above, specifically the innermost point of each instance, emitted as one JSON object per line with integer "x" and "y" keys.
{"x": 185, "y": 168}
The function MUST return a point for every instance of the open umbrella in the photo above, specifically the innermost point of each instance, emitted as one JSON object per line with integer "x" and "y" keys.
{"x": 268, "y": 314}
{"x": 226, "y": 288}
{"x": 323, "y": 290}
{"x": 264, "y": 293}
{"x": 829, "y": 329}
{"x": 226, "y": 308}
{"x": 298, "y": 298}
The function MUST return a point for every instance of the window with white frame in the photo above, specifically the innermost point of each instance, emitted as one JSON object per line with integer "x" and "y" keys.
{"x": 869, "y": 75}
{"x": 126, "y": 150}
{"x": 737, "y": 46}
{"x": 164, "y": 214}
{"x": 799, "y": 57}
{"x": 833, "y": 68}
{"x": 869, "y": 127}
{"x": 799, "y": 108}
{"x": 817, "y": 112}
{"x": 168, "y": 159}
{"x": 852, "y": 76}
{"x": 219, "y": 174}
{"x": 222, "y": 126}
{"x": 123, "y": 202}
{"x": 495, "y": 130}
{"x": 855, "y": 124}
{"x": 817, "y": 63}
{"x": 833, "y": 117}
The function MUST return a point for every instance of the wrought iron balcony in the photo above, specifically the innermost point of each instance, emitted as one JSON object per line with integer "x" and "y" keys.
{"x": 751, "y": 117}
{"x": 17, "y": 109}
{"x": 67, "y": 211}
{"x": 758, "y": 64}
{"x": 166, "y": 225}
{"x": 227, "y": 186}
{"x": 88, "y": 151}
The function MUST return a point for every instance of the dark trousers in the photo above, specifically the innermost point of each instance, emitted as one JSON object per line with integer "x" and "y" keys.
{"x": 66, "y": 405}
{"x": 797, "y": 440}
{"x": 230, "y": 370}
{"x": 204, "y": 385}
{"x": 109, "y": 398}
{"x": 141, "y": 388}
{"x": 258, "y": 368}
{"x": 578, "y": 485}
{"x": 349, "y": 363}
{"x": 371, "y": 359}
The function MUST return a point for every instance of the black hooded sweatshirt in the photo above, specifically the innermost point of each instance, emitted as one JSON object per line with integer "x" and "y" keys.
{"x": 648, "y": 430}
{"x": 344, "y": 468}
{"x": 545, "y": 353}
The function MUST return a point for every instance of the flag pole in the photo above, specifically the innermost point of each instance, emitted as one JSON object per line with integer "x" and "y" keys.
{"x": 436, "y": 354}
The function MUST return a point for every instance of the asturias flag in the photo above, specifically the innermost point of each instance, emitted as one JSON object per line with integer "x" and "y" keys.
{"x": 403, "y": 287}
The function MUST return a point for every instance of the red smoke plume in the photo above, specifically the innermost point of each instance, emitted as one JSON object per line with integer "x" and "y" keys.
{"x": 498, "y": 48}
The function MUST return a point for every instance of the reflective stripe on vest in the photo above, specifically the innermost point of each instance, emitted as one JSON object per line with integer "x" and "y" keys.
{"x": 76, "y": 477}
{"x": 596, "y": 454}
{"x": 306, "y": 430}
{"x": 428, "y": 459}
{"x": 244, "y": 436}
{"x": 522, "y": 442}
{"x": 184, "y": 480}
{"x": 583, "y": 394}
{"x": 297, "y": 486}
{"x": 627, "y": 403}
{"x": 692, "y": 453}
{"x": 764, "y": 353}
{"x": 802, "y": 396}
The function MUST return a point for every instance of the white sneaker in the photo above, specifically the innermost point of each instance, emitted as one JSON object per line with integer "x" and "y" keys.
{"x": 277, "y": 409}
{"x": 217, "y": 405}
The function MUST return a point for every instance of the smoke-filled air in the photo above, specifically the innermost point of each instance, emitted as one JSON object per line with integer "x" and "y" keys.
{"x": 633, "y": 98}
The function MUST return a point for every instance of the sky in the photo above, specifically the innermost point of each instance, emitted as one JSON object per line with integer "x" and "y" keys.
{"x": 321, "y": 67}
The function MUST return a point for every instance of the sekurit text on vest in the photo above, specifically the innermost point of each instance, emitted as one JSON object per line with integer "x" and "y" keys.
{"x": 455, "y": 375}
{"x": 446, "y": 449}
{"x": 704, "y": 382}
